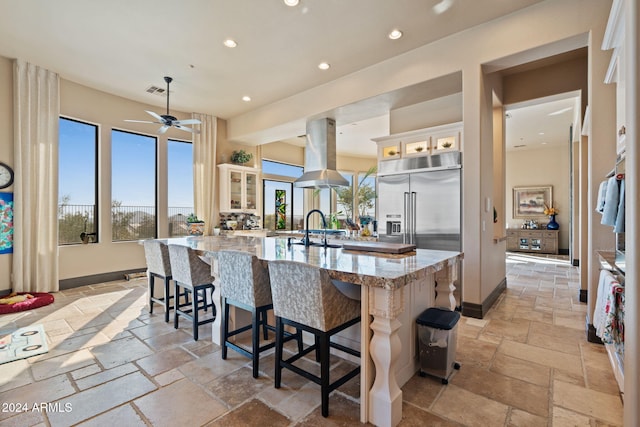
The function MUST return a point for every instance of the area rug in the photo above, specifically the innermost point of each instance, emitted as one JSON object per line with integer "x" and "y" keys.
{"x": 38, "y": 299}
{"x": 23, "y": 343}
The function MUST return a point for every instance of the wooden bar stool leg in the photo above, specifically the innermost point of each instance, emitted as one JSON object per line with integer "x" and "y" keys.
{"x": 176, "y": 303}
{"x": 255, "y": 341}
{"x": 279, "y": 343}
{"x": 263, "y": 322}
{"x": 151, "y": 283}
{"x": 324, "y": 372}
{"x": 225, "y": 328}
{"x": 194, "y": 314}
{"x": 166, "y": 300}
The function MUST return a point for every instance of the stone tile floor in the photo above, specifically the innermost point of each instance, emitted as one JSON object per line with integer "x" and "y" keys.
{"x": 111, "y": 363}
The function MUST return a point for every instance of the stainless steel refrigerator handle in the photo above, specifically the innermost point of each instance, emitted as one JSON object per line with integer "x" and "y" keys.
{"x": 413, "y": 217}
{"x": 406, "y": 210}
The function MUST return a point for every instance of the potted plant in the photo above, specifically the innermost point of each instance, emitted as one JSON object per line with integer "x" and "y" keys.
{"x": 334, "y": 222}
{"x": 241, "y": 157}
{"x": 195, "y": 226}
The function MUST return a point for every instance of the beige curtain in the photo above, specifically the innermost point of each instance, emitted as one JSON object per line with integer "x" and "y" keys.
{"x": 204, "y": 171}
{"x": 36, "y": 110}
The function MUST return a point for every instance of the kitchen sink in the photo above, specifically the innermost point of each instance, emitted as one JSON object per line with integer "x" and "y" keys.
{"x": 329, "y": 245}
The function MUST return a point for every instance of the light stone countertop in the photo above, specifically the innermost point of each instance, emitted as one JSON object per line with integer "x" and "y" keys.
{"x": 388, "y": 271}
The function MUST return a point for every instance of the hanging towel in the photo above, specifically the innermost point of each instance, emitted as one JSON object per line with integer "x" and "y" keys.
{"x": 613, "y": 332}
{"x": 604, "y": 288}
{"x": 611, "y": 200}
{"x": 602, "y": 191}
{"x": 619, "y": 226}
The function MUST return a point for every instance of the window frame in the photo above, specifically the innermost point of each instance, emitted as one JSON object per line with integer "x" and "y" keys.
{"x": 192, "y": 208}
{"x": 96, "y": 210}
{"x": 155, "y": 181}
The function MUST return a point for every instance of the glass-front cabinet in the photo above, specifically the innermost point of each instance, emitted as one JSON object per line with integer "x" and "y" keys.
{"x": 239, "y": 189}
{"x": 420, "y": 142}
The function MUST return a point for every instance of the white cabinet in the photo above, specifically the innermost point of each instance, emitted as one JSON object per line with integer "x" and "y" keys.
{"x": 421, "y": 142}
{"x": 239, "y": 189}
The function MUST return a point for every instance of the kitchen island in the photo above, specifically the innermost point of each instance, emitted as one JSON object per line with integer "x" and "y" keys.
{"x": 394, "y": 290}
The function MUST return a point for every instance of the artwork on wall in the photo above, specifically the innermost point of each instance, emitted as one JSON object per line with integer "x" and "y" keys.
{"x": 531, "y": 201}
{"x": 6, "y": 223}
{"x": 281, "y": 210}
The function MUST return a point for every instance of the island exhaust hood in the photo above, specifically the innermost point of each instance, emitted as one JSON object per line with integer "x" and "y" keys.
{"x": 320, "y": 157}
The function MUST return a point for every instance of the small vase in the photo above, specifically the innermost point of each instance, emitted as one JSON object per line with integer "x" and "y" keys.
{"x": 553, "y": 225}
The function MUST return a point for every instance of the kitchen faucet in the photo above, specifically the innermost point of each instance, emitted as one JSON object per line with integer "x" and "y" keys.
{"x": 324, "y": 225}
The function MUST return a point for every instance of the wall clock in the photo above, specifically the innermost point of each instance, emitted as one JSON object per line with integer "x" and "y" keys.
{"x": 6, "y": 175}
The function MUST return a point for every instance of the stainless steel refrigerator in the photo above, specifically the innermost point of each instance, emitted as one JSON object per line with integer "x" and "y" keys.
{"x": 419, "y": 202}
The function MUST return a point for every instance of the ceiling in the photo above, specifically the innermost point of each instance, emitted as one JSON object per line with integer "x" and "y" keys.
{"x": 123, "y": 47}
{"x": 541, "y": 123}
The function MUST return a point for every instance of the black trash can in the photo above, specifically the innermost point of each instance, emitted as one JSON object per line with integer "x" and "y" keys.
{"x": 437, "y": 336}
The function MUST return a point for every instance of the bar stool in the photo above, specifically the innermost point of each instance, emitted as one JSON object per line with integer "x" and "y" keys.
{"x": 194, "y": 276}
{"x": 244, "y": 283}
{"x": 305, "y": 297}
{"x": 158, "y": 265}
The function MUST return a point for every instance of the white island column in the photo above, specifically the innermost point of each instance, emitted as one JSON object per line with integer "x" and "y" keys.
{"x": 385, "y": 396}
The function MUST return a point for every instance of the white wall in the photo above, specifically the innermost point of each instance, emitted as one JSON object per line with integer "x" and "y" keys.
{"x": 531, "y": 168}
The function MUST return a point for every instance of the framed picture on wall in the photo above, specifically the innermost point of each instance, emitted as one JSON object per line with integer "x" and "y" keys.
{"x": 530, "y": 201}
{"x": 6, "y": 223}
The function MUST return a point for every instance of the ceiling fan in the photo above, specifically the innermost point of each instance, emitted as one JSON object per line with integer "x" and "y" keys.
{"x": 167, "y": 120}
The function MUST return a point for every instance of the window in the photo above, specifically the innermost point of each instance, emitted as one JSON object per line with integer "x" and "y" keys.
{"x": 133, "y": 186}
{"x": 77, "y": 182}
{"x": 282, "y": 202}
{"x": 366, "y": 193}
{"x": 179, "y": 186}
{"x": 344, "y": 200}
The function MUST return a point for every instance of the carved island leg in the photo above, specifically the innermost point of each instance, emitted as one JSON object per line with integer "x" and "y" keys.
{"x": 216, "y": 326}
{"x": 385, "y": 396}
{"x": 445, "y": 286}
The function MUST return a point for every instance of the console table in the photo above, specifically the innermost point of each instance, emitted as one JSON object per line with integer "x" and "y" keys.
{"x": 541, "y": 241}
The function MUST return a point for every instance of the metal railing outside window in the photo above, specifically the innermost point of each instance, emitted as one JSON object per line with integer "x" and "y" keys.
{"x": 128, "y": 222}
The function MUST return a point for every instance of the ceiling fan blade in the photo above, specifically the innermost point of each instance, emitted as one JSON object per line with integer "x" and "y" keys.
{"x": 155, "y": 115}
{"x": 140, "y": 121}
{"x": 163, "y": 129}
{"x": 188, "y": 122}
{"x": 187, "y": 129}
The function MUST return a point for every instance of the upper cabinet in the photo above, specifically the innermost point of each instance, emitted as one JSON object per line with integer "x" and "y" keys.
{"x": 239, "y": 189}
{"x": 421, "y": 142}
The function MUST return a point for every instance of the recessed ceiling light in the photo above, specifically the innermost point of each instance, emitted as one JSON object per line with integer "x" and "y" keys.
{"x": 291, "y": 2}
{"x": 246, "y": 98}
{"x": 324, "y": 66}
{"x": 544, "y": 143}
{"x": 395, "y": 34}
{"x": 230, "y": 43}
{"x": 540, "y": 133}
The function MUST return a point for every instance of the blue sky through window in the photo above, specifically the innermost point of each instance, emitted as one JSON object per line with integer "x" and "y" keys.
{"x": 180, "y": 178}
{"x": 77, "y": 162}
{"x": 133, "y": 169}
